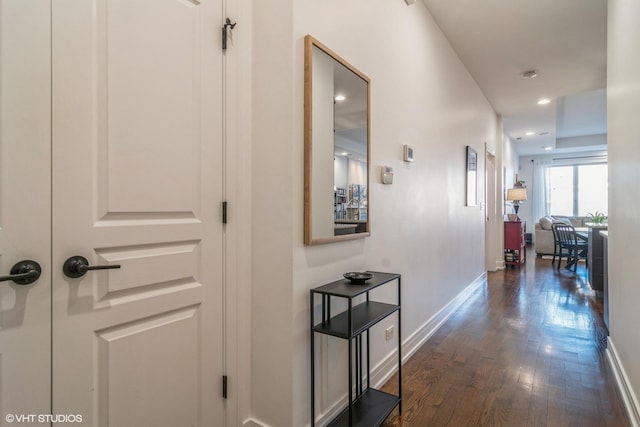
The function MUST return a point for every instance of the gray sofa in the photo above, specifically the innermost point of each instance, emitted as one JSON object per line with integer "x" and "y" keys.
{"x": 543, "y": 236}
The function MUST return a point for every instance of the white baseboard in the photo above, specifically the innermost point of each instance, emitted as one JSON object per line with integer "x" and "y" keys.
{"x": 385, "y": 369}
{"x": 418, "y": 338}
{"x": 335, "y": 410}
{"x": 628, "y": 395}
{"x": 253, "y": 423}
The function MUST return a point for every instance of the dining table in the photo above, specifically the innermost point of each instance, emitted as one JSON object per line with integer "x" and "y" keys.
{"x": 582, "y": 233}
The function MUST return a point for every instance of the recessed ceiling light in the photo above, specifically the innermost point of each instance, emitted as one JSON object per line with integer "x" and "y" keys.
{"x": 543, "y": 101}
{"x": 547, "y": 147}
{"x": 340, "y": 98}
{"x": 529, "y": 74}
{"x": 530, "y": 133}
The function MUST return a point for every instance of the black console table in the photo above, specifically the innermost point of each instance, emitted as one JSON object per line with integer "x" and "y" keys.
{"x": 367, "y": 406}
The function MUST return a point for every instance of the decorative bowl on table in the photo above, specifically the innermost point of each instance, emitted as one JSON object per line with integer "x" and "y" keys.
{"x": 358, "y": 278}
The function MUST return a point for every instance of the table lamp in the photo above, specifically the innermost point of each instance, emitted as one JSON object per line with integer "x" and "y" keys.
{"x": 516, "y": 195}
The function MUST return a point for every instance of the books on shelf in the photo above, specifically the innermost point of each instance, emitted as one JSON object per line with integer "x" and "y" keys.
{"x": 511, "y": 255}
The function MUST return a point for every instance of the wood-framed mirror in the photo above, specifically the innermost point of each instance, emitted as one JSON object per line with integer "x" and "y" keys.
{"x": 337, "y": 147}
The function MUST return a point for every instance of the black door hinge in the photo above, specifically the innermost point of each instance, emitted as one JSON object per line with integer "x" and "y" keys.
{"x": 227, "y": 24}
{"x": 224, "y": 212}
{"x": 224, "y": 386}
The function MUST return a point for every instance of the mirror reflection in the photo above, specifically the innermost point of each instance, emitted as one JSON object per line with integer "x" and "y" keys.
{"x": 336, "y": 147}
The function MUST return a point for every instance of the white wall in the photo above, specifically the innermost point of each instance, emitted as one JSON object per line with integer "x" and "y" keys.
{"x": 340, "y": 172}
{"x": 273, "y": 222}
{"x": 420, "y": 225}
{"x": 349, "y": 171}
{"x": 510, "y": 168}
{"x": 623, "y": 104}
{"x": 525, "y": 171}
{"x": 494, "y": 229}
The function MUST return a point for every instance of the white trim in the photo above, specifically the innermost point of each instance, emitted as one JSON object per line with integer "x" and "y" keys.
{"x": 579, "y": 161}
{"x": 624, "y": 385}
{"x": 412, "y": 344}
{"x": 489, "y": 149}
{"x": 236, "y": 178}
{"x": 253, "y": 423}
{"x": 324, "y": 418}
{"x": 381, "y": 373}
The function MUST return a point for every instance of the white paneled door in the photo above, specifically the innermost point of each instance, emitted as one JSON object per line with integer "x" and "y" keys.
{"x": 111, "y": 157}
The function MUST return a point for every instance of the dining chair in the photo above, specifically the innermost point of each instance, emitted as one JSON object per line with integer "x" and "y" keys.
{"x": 557, "y": 248}
{"x": 568, "y": 240}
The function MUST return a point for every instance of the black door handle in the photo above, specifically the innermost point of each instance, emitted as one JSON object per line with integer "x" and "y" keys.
{"x": 77, "y": 266}
{"x": 23, "y": 273}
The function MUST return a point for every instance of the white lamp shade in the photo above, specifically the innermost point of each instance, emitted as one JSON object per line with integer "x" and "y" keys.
{"x": 517, "y": 194}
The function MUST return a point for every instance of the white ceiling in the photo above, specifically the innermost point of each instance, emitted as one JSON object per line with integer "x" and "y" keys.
{"x": 563, "y": 40}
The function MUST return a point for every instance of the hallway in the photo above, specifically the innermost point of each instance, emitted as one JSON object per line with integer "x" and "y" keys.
{"x": 527, "y": 350}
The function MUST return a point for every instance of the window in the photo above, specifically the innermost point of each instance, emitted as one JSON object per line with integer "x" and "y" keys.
{"x": 578, "y": 190}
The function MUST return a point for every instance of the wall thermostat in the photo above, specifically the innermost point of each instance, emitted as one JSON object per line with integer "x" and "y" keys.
{"x": 386, "y": 173}
{"x": 408, "y": 153}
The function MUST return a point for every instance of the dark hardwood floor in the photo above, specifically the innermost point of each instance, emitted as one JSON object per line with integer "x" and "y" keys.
{"x": 527, "y": 350}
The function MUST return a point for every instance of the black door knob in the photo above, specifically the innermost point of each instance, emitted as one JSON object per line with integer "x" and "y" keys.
{"x": 23, "y": 273}
{"x": 77, "y": 266}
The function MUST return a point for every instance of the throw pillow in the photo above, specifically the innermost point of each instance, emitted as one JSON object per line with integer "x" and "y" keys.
{"x": 545, "y": 223}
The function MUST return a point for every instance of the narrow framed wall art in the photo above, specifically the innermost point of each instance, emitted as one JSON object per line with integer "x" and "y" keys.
{"x": 472, "y": 177}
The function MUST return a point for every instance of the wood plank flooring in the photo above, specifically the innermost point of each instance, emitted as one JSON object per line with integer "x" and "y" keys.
{"x": 527, "y": 350}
